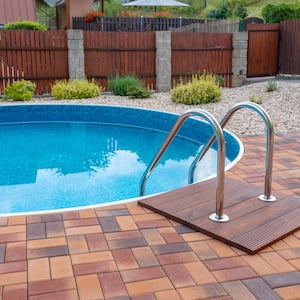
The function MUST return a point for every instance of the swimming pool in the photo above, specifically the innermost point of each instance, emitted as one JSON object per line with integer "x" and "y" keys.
{"x": 69, "y": 156}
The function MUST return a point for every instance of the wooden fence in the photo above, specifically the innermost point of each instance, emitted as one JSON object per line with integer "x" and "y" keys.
{"x": 289, "y": 50}
{"x": 39, "y": 56}
{"x": 124, "y": 53}
{"x": 263, "y": 45}
{"x": 201, "y": 52}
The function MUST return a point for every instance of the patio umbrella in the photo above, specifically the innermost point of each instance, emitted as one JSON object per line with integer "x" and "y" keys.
{"x": 155, "y": 3}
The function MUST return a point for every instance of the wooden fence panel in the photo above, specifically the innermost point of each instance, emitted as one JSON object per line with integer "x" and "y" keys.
{"x": 194, "y": 53}
{"x": 289, "y": 50}
{"x": 39, "y": 56}
{"x": 263, "y": 45}
{"x": 120, "y": 53}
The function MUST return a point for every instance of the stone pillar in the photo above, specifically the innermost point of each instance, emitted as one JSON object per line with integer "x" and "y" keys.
{"x": 163, "y": 61}
{"x": 75, "y": 54}
{"x": 239, "y": 58}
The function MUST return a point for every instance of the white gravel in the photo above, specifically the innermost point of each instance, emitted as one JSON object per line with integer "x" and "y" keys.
{"x": 283, "y": 105}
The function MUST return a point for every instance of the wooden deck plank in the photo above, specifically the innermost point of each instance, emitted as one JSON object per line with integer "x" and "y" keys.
{"x": 253, "y": 224}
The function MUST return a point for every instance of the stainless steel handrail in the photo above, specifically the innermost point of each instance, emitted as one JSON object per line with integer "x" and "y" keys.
{"x": 218, "y": 216}
{"x": 267, "y": 196}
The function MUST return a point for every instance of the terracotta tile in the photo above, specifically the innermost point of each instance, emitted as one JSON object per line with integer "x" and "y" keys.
{"x": 13, "y": 278}
{"x": 2, "y": 252}
{"x": 43, "y": 243}
{"x": 16, "y": 220}
{"x": 163, "y": 295}
{"x": 122, "y": 235}
{"x": 9, "y": 267}
{"x": 109, "y": 224}
{"x": 145, "y": 257}
{"x": 47, "y": 252}
{"x": 124, "y": 259}
{"x": 237, "y": 290}
{"x": 77, "y": 244}
{"x": 112, "y": 285}
{"x": 89, "y": 287}
{"x": 44, "y": 218}
{"x": 142, "y": 274}
{"x": 170, "y": 235}
{"x": 199, "y": 273}
{"x": 14, "y": 292}
{"x": 295, "y": 263}
{"x": 153, "y": 236}
{"x": 147, "y": 286}
{"x": 126, "y": 223}
{"x": 51, "y": 286}
{"x": 195, "y": 237}
{"x": 87, "y": 213}
{"x": 171, "y": 248}
{"x": 284, "y": 279}
{"x": 213, "y": 290}
{"x": 288, "y": 292}
{"x": 12, "y": 237}
{"x": 148, "y": 296}
{"x": 260, "y": 289}
{"x": 277, "y": 262}
{"x": 234, "y": 274}
{"x": 127, "y": 243}
{"x": 96, "y": 242}
{"x": 81, "y": 222}
{"x": 258, "y": 265}
{"x": 224, "y": 263}
{"x": 178, "y": 275}
{"x": 152, "y": 224}
{"x": 61, "y": 267}
{"x": 91, "y": 257}
{"x": 36, "y": 231}
{"x": 175, "y": 258}
{"x": 220, "y": 248}
{"x": 112, "y": 212}
{"x": 15, "y": 251}
{"x": 134, "y": 208}
{"x": 64, "y": 295}
{"x": 70, "y": 215}
{"x": 55, "y": 229}
{"x": 292, "y": 241}
{"x": 83, "y": 230}
{"x": 95, "y": 267}
{"x": 38, "y": 269}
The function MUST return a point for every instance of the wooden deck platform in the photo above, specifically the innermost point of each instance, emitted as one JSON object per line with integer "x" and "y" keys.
{"x": 253, "y": 224}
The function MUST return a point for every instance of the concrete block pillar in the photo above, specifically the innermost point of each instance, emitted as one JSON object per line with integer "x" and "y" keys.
{"x": 76, "y": 54}
{"x": 163, "y": 61}
{"x": 239, "y": 58}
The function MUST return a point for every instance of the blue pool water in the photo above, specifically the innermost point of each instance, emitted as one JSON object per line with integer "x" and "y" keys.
{"x": 65, "y": 156}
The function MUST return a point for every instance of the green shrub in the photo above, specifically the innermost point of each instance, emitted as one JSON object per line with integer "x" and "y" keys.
{"x": 201, "y": 89}
{"x": 256, "y": 99}
{"x": 75, "y": 89}
{"x": 138, "y": 92}
{"x": 120, "y": 84}
{"x": 25, "y": 25}
{"x": 273, "y": 13}
{"x": 20, "y": 90}
{"x": 271, "y": 86}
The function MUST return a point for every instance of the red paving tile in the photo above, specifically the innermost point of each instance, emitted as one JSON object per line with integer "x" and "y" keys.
{"x": 128, "y": 252}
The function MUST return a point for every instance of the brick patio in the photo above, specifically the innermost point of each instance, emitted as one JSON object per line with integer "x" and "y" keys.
{"x": 128, "y": 252}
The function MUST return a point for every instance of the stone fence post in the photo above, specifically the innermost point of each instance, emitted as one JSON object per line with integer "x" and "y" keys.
{"x": 239, "y": 58}
{"x": 163, "y": 61}
{"x": 75, "y": 54}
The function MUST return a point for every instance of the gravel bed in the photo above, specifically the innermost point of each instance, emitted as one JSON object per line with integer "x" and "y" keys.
{"x": 283, "y": 105}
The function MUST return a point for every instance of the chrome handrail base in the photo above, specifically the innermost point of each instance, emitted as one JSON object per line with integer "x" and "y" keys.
{"x": 214, "y": 217}
{"x": 267, "y": 199}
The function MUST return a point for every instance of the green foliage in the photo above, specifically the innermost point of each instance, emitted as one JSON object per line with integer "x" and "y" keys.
{"x": 138, "y": 92}
{"x": 112, "y": 8}
{"x": 271, "y": 86}
{"x": 120, "y": 84}
{"x": 228, "y": 9}
{"x": 256, "y": 99}
{"x": 273, "y": 13}
{"x": 75, "y": 89}
{"x": 201, "y": 89}
{"x": 25, "y": 25}
{"x": 20, "y": 90}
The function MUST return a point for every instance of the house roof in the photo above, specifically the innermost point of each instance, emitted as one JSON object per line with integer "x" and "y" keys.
{"x": 12, "y": 10}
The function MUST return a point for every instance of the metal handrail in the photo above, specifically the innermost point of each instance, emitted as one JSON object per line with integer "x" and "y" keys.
{"x": 219, "y": 216}
{"x": 267, "y": 196}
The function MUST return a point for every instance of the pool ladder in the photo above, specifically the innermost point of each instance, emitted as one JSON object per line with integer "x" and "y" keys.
{"x": 219, "y": 215}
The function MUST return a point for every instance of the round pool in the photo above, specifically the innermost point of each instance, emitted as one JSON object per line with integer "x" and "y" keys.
{"x": 57, "y": 157}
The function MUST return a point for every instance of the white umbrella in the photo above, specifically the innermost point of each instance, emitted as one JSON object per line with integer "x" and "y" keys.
{"x": 155, "y": 3}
